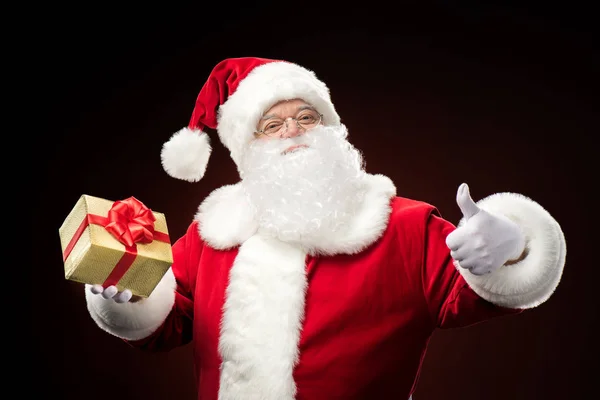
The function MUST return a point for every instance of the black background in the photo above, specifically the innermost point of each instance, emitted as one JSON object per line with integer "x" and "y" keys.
{"x": 500, "y": 96}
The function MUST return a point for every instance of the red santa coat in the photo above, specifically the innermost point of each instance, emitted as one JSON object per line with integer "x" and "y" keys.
{"x": 345, "y": 318}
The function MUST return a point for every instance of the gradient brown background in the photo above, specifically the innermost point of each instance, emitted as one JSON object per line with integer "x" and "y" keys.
{"x": 500, "y": 97}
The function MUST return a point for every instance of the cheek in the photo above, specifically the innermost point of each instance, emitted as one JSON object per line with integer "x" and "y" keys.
{"x": 265, "y": 138}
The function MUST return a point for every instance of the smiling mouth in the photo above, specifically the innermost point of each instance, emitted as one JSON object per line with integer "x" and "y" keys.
{"x": 294, "y": 148}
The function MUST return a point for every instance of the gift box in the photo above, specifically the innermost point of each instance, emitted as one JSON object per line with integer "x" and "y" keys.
{"x": 121, "y": 243}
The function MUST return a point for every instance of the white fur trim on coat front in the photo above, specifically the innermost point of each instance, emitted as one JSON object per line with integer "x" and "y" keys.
{"x": 226, "y": 219}
{"x": 262, "y": 319}
{"x": 133, "y": 321}
{"x": 264, "y": 86}
{"x": 264, "y": 300}
{"x": 531, "y": 281}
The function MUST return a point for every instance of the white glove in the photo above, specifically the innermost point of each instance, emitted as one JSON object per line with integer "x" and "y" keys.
{"x": 485, "y": 241}
{"x": 113, "y": 293}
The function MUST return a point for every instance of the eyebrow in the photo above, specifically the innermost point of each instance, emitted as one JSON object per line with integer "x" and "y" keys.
{"x": 301, "y": 108}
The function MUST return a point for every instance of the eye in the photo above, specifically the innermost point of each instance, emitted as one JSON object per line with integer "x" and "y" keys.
{"x": 273, "y": 125}
{"x": 307, "y": 116}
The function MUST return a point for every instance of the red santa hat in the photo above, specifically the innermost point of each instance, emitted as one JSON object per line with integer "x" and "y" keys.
{"x": 235, "y": 96}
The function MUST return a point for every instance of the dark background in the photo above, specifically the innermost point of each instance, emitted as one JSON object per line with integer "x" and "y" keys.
{"x": 499, "y": 96}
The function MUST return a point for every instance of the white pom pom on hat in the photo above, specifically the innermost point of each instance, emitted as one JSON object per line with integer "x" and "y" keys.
{"x": 235, "y": 96}
{"x": 186, "y": 154}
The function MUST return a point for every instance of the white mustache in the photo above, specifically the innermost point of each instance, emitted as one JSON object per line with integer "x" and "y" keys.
{"x": 278, "y": 146}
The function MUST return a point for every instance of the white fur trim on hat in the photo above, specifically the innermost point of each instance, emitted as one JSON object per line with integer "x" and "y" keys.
{"x": 264, "y": 86}
{"x": 185, "y": 155}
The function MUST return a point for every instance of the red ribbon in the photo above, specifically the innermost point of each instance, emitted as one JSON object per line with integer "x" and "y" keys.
{"x": 130, "y": 222}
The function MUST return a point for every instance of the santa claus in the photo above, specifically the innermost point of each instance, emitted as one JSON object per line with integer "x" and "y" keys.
{"x": 311, "y": 278}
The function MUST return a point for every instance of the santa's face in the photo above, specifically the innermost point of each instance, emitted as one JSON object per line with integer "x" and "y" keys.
{"x": 305, "y": 180}
{"x": 287, "y": 119}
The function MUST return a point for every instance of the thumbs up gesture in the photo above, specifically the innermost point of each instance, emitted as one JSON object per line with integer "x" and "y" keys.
{"x": 485, "y": 241}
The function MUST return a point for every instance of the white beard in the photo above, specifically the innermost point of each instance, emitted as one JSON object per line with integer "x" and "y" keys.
{"x": 306, "y": 194}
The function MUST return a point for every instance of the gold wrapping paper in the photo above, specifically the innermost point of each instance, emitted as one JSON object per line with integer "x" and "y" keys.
{"x": 97, "y": 251}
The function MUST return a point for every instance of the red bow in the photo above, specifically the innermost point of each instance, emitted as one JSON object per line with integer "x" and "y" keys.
{"x": 130, "y": 222}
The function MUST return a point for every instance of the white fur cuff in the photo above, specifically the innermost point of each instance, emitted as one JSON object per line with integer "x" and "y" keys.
{"x": 531, "y": 281}
{"x": 133, "y": 321}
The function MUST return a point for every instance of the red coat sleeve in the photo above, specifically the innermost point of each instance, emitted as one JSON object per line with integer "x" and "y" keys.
{"x": 176, "y": 330}
{"x": 451, "y": 301}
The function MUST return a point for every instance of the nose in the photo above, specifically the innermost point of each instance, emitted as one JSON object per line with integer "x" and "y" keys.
{"x": 292, "y": 129}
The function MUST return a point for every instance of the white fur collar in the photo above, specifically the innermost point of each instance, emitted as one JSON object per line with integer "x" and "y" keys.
{"x": 226, "y": 219}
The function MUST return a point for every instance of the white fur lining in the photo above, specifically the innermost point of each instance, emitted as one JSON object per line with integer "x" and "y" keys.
{"x": 226, "y": 219}
{"x": 133, "y": 321}
{"x": 531, "y": 281}
{"x": 262, "y": 320}
{"x": 264, "y": 86}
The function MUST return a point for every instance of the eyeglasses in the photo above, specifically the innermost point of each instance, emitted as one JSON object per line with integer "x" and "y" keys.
{"x": 305, "y": 120}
